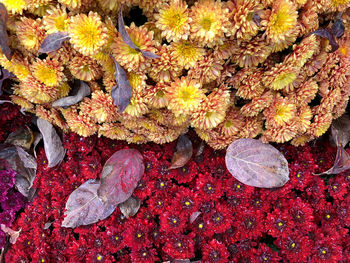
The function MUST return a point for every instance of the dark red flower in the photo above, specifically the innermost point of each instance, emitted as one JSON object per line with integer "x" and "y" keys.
{"x": 179, "y": 246}
{"x": 146, "y": 255}
{"x": 172, "y": 221}
{"x": 208, "y": 187}
{"x": 215, "y": 251}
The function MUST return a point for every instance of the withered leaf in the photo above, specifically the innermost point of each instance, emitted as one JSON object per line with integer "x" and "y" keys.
{"x": 122, "y": 92}
{"x": 4, "y": 39}
{"x": 256, "y": 164}
{"x": 257, "y": 19}
{"x": 52, "y": 143}
{"x": 327, "y": 33}
{"x": 37, "y": 138}
{"x": 21, "y": 137}
{"x": 127, "y": 39}
{"x": 25, "y": 176}
{"x": 341, "y": 130}
{"x": 183, "y": 154}
{"x": 194, "y": 216}
{"x": 83, "y": 206}
{"x": 12, "y": 233}
{"x": 120, "y": 175}
{"x": 53, "y": 42}
{"x": 5, "y": 74}
{"x": 338, "y": 28}
{"x": 27, "y": 159}
{"x": 79, "y": 94}
{"x": 341, "y": 162}
{"x": 130, "y": 206}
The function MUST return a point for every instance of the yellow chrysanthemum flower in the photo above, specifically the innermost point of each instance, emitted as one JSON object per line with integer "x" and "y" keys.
{"x": 210, "y": 22}
{"x": 47, "y": 71}
{"x": 280, "y": 112}
{"x": 186, "y": 53}
{"x": 173, "y": 20}
{"x": 71, "y": 4}
{"x": 55, "y": 20}
{"x": 282, "y": 21}
{"x": 340, "y": 5}
{"x": 15, "y": 6}
{"x": 84, "y": 68}
{"x": 184, "y": 95}
{"x": 30, "y": 33}
{"x": 88, "y": 33}
{"x": 281, "y": 76}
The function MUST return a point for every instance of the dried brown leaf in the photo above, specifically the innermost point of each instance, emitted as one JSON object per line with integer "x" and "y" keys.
{"x": 341, "y": 130}
{"x": 183, "y": 154}
{"x": 120, "y": 175}
{"x": 130, "y": 207}
{"x": 4, "y": 39}
{"x": 21, "y": 137}
{"x": 256, "y": 164}
{"x": 52, "y": 143}
{"x": 83, "y": 206}
{"x": 37, "y": 138}
{"x": 341, "y": 163}
{"x": 27, "y": 159}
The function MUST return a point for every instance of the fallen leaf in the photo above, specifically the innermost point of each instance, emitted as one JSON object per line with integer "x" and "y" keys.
{"x": 5, "y": 101}
{"x": 256, "y": 164}
{"x": 5, "y": 74}
{"x": 12, "y": 233}
{"x": 120, "y": 175}
{"x": 122, "y": 92}
{"x": 130, "y": 206}
{"x": 37, "y": 138}
{"x": 183, "y": 154}
{"x": 200, "y": 148}
{"x": 53, "y": 42}
{"x": 341, "y": 163}
{"x": 341, "y": 130}
{"x": 194, "y": 216}
{"x": 27, "y": 159}
{"x": 257, "y": 19}
{"x": 126, "y": 38}
{"x": 327, "y": 33}
{"x": 4, "y": 39}
{"x": 52, "y": 143}
{"x": 83, "y": 206}
{"x": 47, "y": 225}
{"x": 79, "y": 94}
{"x": 338, "y": 28}
{"x": 25, "y": 176}
{"x": 21, "y": 137}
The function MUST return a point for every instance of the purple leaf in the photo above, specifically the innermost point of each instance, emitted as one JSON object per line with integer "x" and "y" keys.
{"x": 341, "y": 163}
{"x": 120, "y": 175}
{"x": 52, "y": 143}
{"x": 256, "y": 164}
{"x": 338, "y": 28}
{"x": 82, "y": 91}
{"x": 130, "y": 206}
{"x": 4, "y": 75}
{"x": 326, "y": 33}
{"x": 28, "y": 160}
{"x": 183, "y": 154}
{"x": 256, "y": 19}
{"x": 83, "y": 206}
{"x": 341, "y": 131}
{"x": 53, "y": 42}
{"x": 4, "y": 39}
{"x": 126, "y": 38}
{"x": 122, "y": 92}
{"x": 194, "y": 216}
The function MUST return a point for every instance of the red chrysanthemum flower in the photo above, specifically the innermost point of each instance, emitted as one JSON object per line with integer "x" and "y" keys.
{"x": 146, "y": 255}
{"x": 186, "y": 201}
{"x": 185, "y": 173}
{"x": 250, "y": 223}
{"x": 136, "y": 234}
{"x": 278, "y": 223}
{"x": 265, "y": 254}
{"x": 208, "y": 187}
{"x": 172, "y": 221}
{"x": 179, "y": 246}
{"x": 219, "y": 219}
{"x": 214, "y": 252}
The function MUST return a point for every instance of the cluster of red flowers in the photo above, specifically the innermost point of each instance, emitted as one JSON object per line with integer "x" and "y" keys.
{"x": 307, "y": 220}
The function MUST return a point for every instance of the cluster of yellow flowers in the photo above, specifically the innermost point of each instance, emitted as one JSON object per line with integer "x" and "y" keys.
{"x": 235, "y": 69}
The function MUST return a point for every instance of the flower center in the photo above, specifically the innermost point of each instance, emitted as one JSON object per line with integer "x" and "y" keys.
{"x": 206, "y": 23}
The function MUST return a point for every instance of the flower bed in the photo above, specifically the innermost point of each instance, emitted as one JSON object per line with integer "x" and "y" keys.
{"x": 307, "y": 220}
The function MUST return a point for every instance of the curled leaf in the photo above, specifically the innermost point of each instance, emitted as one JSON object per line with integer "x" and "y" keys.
{"x": 83, "y": 206}
{"x": 183, "y": 154}
{"x": 338, "y": 28}
{"x": 341, "y": 130}
{"x": 130, "y": 206}
{"x": 52, "y": 143}
{"x": 53, "y": 42}
{"x": 28, "y": 160}
{"x": 120, "y": 175}
{"x": 341, "y": 163}
{"x": 122, "y": 92}
{"x": 326, "y": 33}
{"x": 37, "y": 138}
{"x": 21, "y": 137}
{"x": 80, "y": 93}
{"x": 126, "y": 38}
{"x": 257, "y": 19}
{"x": 256, "y": 164}
{"x": 4, "y": 39}
{"x": 5, "y": 74}
{"x": 12, "y": 233}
